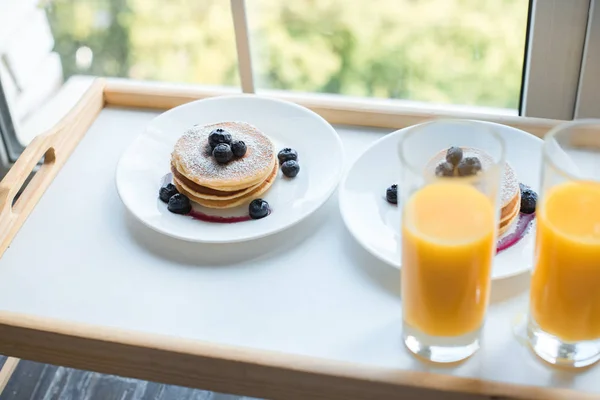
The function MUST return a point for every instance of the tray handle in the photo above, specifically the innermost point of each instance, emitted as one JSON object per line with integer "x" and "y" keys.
{"x": 18, "y": 174}
{"x": 55, "y": 146}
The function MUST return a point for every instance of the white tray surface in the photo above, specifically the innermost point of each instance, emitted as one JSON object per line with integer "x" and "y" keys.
{"x": 311, "y": 290}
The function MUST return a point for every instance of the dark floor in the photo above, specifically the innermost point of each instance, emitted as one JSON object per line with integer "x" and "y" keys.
{"x": 35, "y": 381}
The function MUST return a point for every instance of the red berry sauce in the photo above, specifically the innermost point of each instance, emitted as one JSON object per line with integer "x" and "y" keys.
{"x": 200, "y": 216}
{"x": 523, "y": 224}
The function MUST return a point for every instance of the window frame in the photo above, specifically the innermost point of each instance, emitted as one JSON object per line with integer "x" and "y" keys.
{"x": 557, "y": 31}
{"x": 242, "y": 44}
{"x": 588, "y": 94}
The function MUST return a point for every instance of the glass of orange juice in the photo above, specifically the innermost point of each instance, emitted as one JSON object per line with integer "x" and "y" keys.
{"x": 449, "y": 192}
{"x": 564, "y": 311}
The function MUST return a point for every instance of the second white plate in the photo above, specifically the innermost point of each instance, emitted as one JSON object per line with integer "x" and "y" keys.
{"x": 376, "y": 224}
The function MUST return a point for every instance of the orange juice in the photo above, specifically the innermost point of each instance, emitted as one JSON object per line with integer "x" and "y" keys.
{"x": 565, "y": 286}
{"x": 448, "y": 243}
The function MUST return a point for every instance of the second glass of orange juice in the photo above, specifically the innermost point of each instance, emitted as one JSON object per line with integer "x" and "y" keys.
{"x": 564, "y": 318}
{"x": 449, "y": 191}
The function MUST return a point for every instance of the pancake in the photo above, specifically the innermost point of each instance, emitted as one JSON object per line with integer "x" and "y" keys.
{"x": 229, "y": 203}
{"x": 509, "y": 209}
{"x": 192, "y": 158}
{"x": 510, "y": 216}
{"x": 202, "y": 192}
{"x": 510, "y": 193}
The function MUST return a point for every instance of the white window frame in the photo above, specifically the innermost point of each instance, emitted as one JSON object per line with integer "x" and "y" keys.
{"x": 554, "y": 53}
{"x": 242, "y": 43}
{"x": 588, "y": 96}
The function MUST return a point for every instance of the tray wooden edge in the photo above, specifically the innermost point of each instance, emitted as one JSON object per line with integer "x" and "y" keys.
{"x": 229, "y": 369}
{"x": 193, "y": 363}
{"x": 334, "y": 109}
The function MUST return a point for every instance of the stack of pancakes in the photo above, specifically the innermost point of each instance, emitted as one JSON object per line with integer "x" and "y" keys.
{"x": 510, "y": 192}
{"x": 510, "y": 199}
{"x": 200, "y": 177}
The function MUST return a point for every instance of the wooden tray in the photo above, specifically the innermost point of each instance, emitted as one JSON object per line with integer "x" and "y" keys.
{"x": 40, "y": 263}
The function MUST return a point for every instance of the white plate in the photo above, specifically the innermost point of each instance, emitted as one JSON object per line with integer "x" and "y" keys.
{"x": 376, "y": 224}
{"x": 147, "y": 160}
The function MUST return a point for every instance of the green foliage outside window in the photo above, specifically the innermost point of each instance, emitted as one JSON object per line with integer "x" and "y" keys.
{"x": 443, "y": 51}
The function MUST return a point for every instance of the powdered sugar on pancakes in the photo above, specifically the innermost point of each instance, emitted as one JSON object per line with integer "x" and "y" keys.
{"x": 192, "y": 157}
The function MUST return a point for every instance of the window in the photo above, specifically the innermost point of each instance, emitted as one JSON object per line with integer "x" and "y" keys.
{"x": 183, "y": 41}
{"x": 464, "y": 52}
{"x": 525, "y": 57}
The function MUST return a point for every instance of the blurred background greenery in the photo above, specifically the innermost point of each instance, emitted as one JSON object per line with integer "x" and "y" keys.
{"x": 467, "y": 52}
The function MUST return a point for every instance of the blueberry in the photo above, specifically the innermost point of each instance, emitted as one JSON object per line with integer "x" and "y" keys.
{"x": 238, "y": 148}
{"x": 290, "y": 168}
{"x": 444, "y": 169}
{"x": 179, "y": 204}
{"x": 258, "y": 209}
{"x": 528, "y": 199}
{"x": 469, "y": 166}
{"x": 218, "y": 136}
{"x": 391, "y": 194}
{"x": 454, "y": 155}
{"x": 166, "y": 192}
{"x": 222, "y": 153}
{"x": 287, "y": 154}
